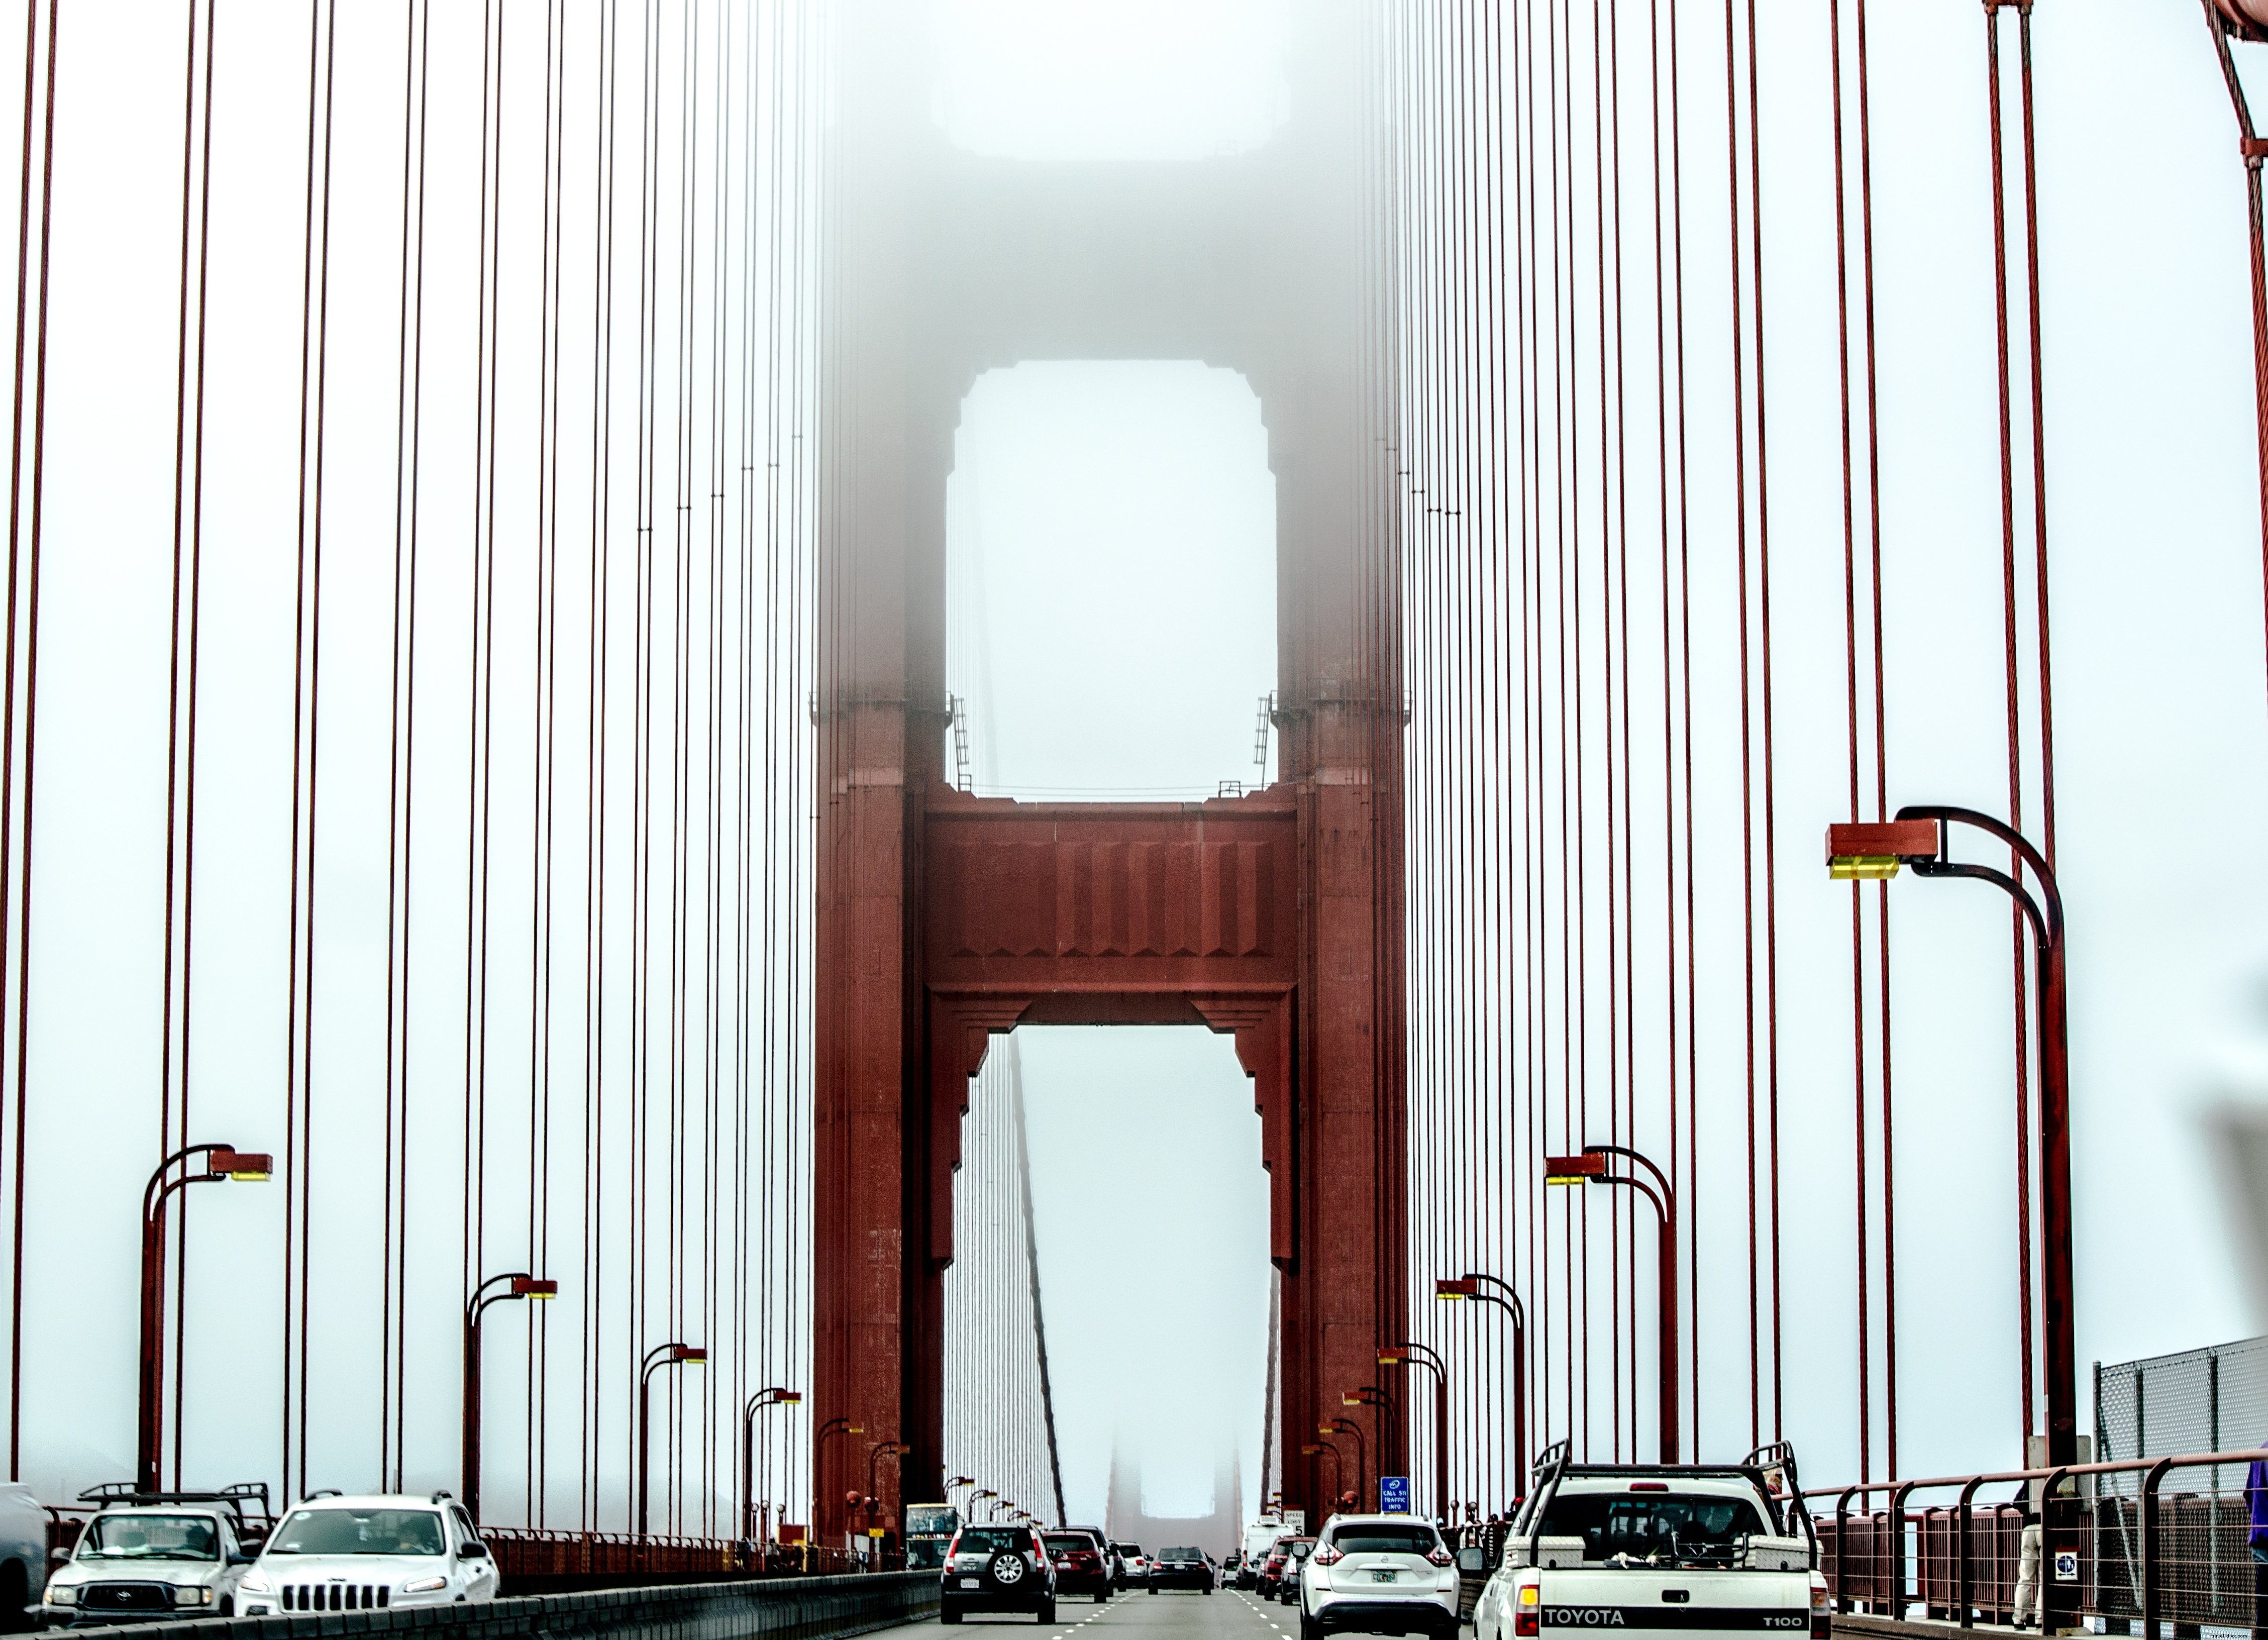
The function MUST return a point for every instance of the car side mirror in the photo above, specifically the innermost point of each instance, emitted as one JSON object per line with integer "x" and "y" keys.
{"x": 473, "y": 1549}
{"x": 242, "y": 1558}
{"x": 1472, "y": 1557}
{"x": 58, "y": 1556}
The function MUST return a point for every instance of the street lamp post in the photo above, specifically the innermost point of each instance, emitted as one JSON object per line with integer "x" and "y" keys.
{"x": 1403, "y": 1354}
{"x": 1917, "y": 837}
{"x": 773, "y": 1396}
{"x": 986, "y": 1493}
{"x": 495, "y": 1290}
{"x": 1316, "y": 1449}
{"x": 1481, "y": 1288}
{"x": 660, "y": 1355}
{"x": 1348, "y": 1426}
{"x": 221, "y": 1161}
{"x": 1388, "y": 1415}
{"x": 1591, "y": 1166}
{"x": 896, "y": 1449}
{"x": 820, "y": 1436}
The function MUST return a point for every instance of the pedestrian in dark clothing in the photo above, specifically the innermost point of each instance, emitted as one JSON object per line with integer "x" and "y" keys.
{"x": 2256, "y": 1499}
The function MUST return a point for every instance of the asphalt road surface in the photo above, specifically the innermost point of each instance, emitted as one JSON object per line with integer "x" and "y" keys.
{"x": 1170, "y": 1615}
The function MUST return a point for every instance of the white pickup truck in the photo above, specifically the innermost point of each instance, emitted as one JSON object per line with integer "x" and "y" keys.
{"x": 1703, "y": 1550}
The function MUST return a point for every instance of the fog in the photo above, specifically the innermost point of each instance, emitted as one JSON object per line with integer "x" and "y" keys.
{"x": 1087, "y": 497}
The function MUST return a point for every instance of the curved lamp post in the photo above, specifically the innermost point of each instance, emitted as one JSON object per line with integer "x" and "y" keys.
{"x": 1592, "y": 1166}
{"x": 219, "y": 1162}
{"x": 1388, "y": 1415}
{"x": 896, "y": 1449}
{"x": 1918, "y": 838}
{"x": 1481, "y": 1288}
{"x": 1348, "y": 1426}
{"x": 1316, "y": 1449}
{"x": 1403, "y": 1355}
{"x": 672, "y": 1355}
{"x": 773, "y": 1396}
{"x": 495, "y": 1290}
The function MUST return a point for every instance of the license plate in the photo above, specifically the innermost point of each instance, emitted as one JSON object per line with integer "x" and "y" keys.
{"x": 1381, "y": 1577}
{"x": 968, "y": 1583}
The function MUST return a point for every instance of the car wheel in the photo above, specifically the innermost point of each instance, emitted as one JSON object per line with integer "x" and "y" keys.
{"x": 1046, "y": 1612}
{"x": 228, "y": 1606}
{"x": 1208, "y": 1588}
{"x": 1309, "y": 1629}
{"x": 948, "y": 1613}
{"x": 1101, "y": 1596}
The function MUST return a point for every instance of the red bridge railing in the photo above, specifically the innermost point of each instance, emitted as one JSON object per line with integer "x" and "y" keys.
{"x": 2147, "y": 1553}
{"x": 539, "y": 1562}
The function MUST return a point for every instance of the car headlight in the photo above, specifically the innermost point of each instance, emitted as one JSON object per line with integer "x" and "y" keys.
{"x": 192, "y": 1594}
{"x": 63, "y": 1594}
{"x": 254, "y": 1584}
{"x": 425, "y": 1586}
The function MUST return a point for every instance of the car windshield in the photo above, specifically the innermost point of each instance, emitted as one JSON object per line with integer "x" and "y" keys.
{"x": 149, "y": 1536}
{"x": 1385, "y": 1539}
{"x": 359, "y": 1532}
{"x": 1666, "y": 1527}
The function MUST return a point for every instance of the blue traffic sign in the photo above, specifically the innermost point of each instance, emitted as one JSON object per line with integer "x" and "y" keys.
{"x": 1393, "y": 1494}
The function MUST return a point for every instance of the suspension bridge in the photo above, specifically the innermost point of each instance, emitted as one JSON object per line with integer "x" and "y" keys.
{"x": 490, "y": 855}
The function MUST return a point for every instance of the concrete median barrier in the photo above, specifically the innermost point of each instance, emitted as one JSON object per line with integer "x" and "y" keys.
{"x": 775, "y": 1608}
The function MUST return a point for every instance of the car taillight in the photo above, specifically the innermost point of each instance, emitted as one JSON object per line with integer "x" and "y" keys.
{"x": 1440, "y": 1557}
{"x": 1528, "y": 1617}
{"x": 1327, "y": 1558}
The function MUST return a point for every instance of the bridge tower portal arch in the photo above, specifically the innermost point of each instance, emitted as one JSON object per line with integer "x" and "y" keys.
{"x": 943, "y": 919}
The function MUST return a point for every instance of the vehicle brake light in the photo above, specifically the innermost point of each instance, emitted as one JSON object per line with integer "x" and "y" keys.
{"x": 1528, "y": 1617}
{"x": 1327, "y": 1557}
{"x": 1649, "y": 1486}
{"x": 1440, "y": 1557}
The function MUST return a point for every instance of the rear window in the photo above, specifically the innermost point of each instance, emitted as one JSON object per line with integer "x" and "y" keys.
{"x": 1064, "y": 1542}
{"x": 1385, "y": 1539}
{"x": 993, "y": 1539}
{"x": 1189, "y": 1555}
{"x": 1679, "y": 1528}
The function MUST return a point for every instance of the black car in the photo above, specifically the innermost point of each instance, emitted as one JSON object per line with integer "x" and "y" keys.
{"x": 996, "y": 1569}
{"x": 1182, "y": 1568}
{"x": 1082, "y": 1562}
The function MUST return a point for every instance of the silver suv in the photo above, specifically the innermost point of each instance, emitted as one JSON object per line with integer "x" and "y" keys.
{"x": 1380, "y": 1574}
{"x": 337, "y": 1554}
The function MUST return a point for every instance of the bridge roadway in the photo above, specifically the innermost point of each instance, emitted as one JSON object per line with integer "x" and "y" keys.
{"x": 1171, "y": 1614}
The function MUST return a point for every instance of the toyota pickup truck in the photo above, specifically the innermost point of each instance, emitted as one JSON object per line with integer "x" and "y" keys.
{"x": 1702, "y": 1550}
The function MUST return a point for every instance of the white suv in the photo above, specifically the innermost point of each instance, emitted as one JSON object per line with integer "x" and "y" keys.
{"x": 1380, "y": 1574}
{"x": 335, "y": 1554}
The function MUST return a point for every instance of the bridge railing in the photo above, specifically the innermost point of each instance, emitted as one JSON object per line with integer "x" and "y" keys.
{"x": 2146, "y": 1551}
{"x": 536, "y": 1562}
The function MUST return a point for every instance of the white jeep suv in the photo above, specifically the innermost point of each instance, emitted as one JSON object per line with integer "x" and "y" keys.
{"x": 369, "y": 1554}
{"x": 1380, "y": 1574}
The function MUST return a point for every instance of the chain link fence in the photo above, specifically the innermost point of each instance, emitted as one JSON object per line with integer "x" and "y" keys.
{"x": 2199, "y": 1400}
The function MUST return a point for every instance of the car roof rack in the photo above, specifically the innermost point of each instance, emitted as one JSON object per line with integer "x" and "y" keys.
{"x": 322, "y": 1492}
{"x": 1770, "y": 1469}
{"x": 112, "y": 1492}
